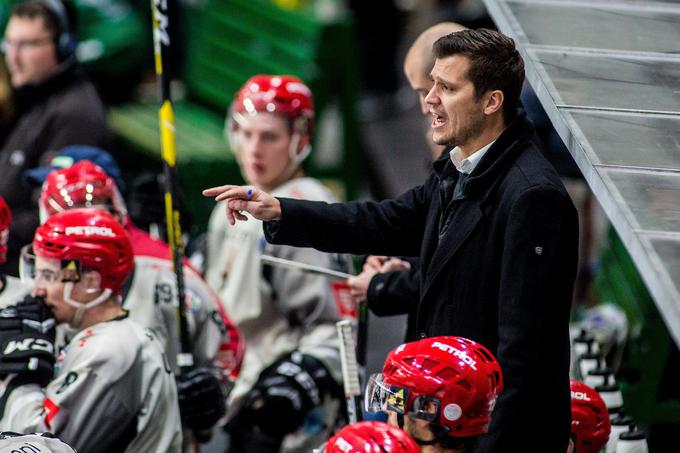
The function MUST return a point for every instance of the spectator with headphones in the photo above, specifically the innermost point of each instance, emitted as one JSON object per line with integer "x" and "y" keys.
{"x": 56, "y": 106}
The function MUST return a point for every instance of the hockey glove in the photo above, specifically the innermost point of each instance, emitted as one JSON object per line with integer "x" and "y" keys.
{"x": 27, "y": 341}
{"x": 201, "y": 398}
{"x": 285, "y": 393}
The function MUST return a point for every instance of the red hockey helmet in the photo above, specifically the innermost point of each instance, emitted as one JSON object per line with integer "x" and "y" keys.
{"x": 279, "y": 94}
{"x": 452, "y": 382}
{"x": 82, "y": 185}
{"x": 87, "y": 239}
{"x": 371, "y": 437}
{"x": 5, "y": 222}
{"x": 590, "y": 425}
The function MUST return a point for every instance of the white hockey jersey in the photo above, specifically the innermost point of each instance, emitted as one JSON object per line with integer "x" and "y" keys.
{"x": 13, "y": 291}
{"x": 276, "y": 310}
{"x": 113, "y": 391}
{"x": 152, "y": 302}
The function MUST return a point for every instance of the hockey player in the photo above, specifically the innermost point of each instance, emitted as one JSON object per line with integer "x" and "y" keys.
{"x": 113, "y": 389}
{"x": 12, "y": 289}
{"x": 590, "y": 425}
{"x": 291, "y": 367}
{"x": 440, "y": 390}
{"x": 371, "y": 437}
{"x": 390, "y": 285}
{"x": 151, "y": 296}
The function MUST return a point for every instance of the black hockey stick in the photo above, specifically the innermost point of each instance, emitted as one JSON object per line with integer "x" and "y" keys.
{"x": 166, "y": 117}
{"x": 362, "y": 332}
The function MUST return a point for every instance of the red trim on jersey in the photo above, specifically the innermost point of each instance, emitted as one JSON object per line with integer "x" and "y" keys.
{"x": 145, "y": 245}
{"x": 51, "y": 410}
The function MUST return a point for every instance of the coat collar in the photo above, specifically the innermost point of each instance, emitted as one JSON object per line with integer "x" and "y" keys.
{"x": 481, "y": 181}
{"x": 497, "y": 159}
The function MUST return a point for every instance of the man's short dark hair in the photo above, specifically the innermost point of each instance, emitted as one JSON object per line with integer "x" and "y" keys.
{"x": 32, "y": 9}
{"x": 495, "y": 63}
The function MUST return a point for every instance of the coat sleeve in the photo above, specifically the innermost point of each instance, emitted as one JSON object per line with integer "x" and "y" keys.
{"x": 538, "y": 267}
{"x": 394, "y": 293}
{"x": 390, "y": 227}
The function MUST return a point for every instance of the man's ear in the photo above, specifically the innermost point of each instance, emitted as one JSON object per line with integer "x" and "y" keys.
{"x": 494, "y": 102}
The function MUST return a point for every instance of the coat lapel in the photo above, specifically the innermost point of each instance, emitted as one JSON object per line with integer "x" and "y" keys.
{"x": 464, "y": 221}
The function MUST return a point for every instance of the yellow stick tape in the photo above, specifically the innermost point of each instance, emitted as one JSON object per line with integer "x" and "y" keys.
{"x": 169, "y": 222}
{"x": 159, "y": 63}
{"x": 167, "y": 122}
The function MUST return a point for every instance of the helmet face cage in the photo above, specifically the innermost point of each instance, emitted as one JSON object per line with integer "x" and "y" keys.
{"x": 69, "y": 270}
{"x": 381, "y": 397}
{"x": 83, "y": 185}
{"x": 590, "y": 423}
{"x": 451, "y": 381}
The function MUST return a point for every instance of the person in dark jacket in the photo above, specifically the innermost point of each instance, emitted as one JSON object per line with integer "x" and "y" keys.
{"x": 496, "y": 232}
{"x": 390, "y": 285}
{"x": 55, "y": 106}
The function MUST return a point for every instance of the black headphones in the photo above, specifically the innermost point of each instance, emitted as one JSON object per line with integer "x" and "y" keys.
{"x": 66, "y": 41}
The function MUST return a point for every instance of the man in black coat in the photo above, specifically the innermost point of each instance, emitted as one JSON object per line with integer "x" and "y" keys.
{"x": 55, "y": 105}
{"x": 495, "y": 230}
{"x": 391, "y": 286}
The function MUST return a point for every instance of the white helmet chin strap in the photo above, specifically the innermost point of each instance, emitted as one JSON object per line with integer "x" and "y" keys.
{"x": 80, "y": 307}
{"x": 296, "y": 158}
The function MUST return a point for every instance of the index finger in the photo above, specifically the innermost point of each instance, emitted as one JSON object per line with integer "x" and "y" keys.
{"x": 212, "y": 191}
{"x": 236, "y": 193}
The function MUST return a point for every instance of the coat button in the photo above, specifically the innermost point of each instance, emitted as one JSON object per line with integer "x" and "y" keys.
{"x": 422, "y": 335}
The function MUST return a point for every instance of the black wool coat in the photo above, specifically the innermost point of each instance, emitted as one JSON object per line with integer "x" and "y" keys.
{"x": 498, "y": 265}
